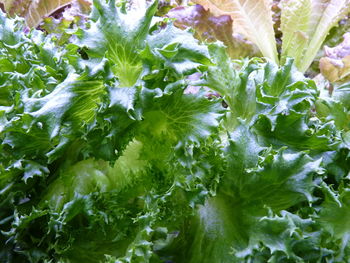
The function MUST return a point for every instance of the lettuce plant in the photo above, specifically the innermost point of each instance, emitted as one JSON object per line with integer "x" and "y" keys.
{"x": 304, "y": 25}
{"x": 100, "y": 146}
{"x": 273, "y": 202}
{"x": 106, "y": 157}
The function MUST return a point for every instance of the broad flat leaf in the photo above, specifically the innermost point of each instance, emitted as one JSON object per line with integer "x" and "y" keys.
{"x": 251, "y": 18}
{"x": 324, "y": 16}
{"x": 305, "y": 25}
{"x": 295, "y": 19}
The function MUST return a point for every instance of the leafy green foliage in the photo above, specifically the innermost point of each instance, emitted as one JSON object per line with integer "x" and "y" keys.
{"x": 106, "y": 157}
{"x": 279, "y": 153}
{"x": 104, "y": 147}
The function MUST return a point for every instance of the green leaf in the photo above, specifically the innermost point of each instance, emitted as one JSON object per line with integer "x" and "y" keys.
{"x": 177, "y": 49}
{"x": 179, "y": 117}
{"x": 75, "y": 101}
{"x": 296, "y": 131}
{"x": 334, "y": 216}
{"x": 279, "y": 169}
{"x": 119, "y": 36}
{"x": 295, "y": 20}
{"x": 257, "y": 181}
{"x": 334, "y": 110}
{"x": 237, "y": 88}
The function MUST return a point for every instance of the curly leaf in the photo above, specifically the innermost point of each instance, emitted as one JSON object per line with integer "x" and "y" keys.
{"x": 121, "y": 35}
